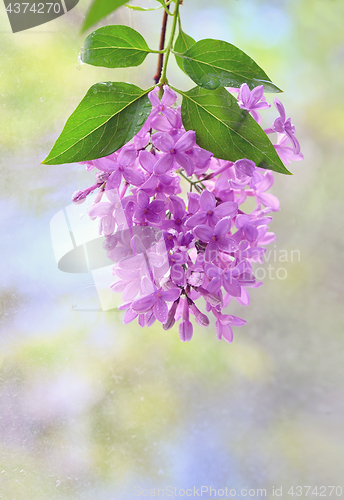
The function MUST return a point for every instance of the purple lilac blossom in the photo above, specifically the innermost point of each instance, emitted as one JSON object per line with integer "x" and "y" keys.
{"x": 252, "y": 100}
{"x": 171, "y": 251}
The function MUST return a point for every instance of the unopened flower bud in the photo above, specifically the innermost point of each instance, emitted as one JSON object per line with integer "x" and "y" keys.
{"x": 200, "y": 317}
{"x": 170, "y": 317}
{"x": 213, "y": 299}
{"x": 102, "y": 177}
{"x": 99, "y": 196}
{"x": 185, "y": 331}
{"x": 78, "y": 197}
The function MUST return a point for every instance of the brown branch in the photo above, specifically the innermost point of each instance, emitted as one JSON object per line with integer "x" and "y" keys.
{"x": 157, "y": 76}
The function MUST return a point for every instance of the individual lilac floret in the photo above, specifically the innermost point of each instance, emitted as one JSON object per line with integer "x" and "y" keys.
{"x": 283, "y": 126}
{"x": 285, "y": 152}
{"x": 222, "y": 325}
{"x": 200, "y": 158}
{"x": 130, "y": 279}
{"x": 174, "y": 151}
{"x": 210, "y": 213}
{"x": 260, "y": 184}
{"x": 148, "y": 211}
{"x": 124, "y": 166}
{"x": 160, "y": 185}
{"x": 247, "y": 227}
{"x": 152, "y": 165}
{"x": 216, "y": 238}
{"x": 156, "y": 302}
{"x": 178, "y": 211}
{"x": 252, "y": 100}
{"x": 244, "y": 168}
{"x": 164, "y": 106}
{"x": 110, "y": 213}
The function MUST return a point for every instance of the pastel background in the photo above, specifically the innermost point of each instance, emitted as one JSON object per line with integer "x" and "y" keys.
{"x": 89, "y": 409}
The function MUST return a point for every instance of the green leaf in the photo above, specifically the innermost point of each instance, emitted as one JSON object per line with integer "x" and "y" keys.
{"x": 109, "y": 116}
{"x": 115, "y": 47}
{"x": 183, "y": 42}
{"x": 214, "y": 63}
{"x": 229, "y": 132}
{"x": 100, "y": 9}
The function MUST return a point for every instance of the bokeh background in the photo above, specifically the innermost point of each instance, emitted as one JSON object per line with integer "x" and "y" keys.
{"x": 90, "y": 409}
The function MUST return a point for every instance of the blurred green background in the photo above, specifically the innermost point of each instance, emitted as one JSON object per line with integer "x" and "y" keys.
{"x": 89, "y": 409}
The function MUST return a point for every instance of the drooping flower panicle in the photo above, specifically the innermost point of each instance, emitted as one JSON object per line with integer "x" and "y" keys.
{"x": 171, "y": 251}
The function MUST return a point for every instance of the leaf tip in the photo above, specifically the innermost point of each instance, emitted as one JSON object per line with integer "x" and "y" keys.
{"x": 85, "y": 27}
{"x": 46, "y": 161}
{"x": 285, "y": 171}
{"x": 87, "y": 23}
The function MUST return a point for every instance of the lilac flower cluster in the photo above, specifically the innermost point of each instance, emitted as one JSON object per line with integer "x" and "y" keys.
{"x": 172, "y": 248}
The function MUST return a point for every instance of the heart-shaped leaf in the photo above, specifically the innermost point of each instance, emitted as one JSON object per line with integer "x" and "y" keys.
{"x": 214, "y": 63}
{"x": 100, "y": 9}
{"x": 229, "y": 132}
{"x": 115, "y": 47}
{"x": 181, "y": 45}
{"x": 109, "y": 116}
